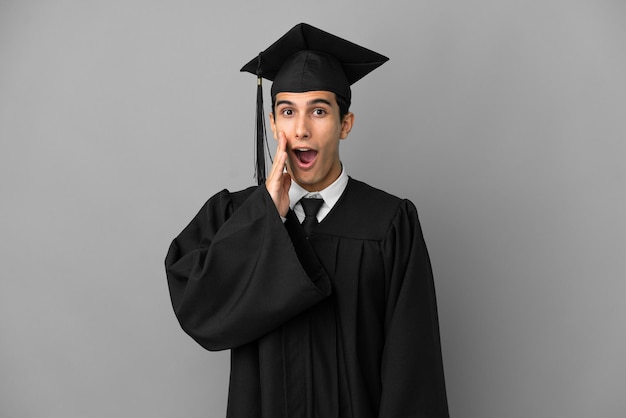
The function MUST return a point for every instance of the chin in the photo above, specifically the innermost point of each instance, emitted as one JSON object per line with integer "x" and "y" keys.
{"x": 305, "y": 181}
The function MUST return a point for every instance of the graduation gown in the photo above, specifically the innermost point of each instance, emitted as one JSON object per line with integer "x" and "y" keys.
{"x": 341, "y": 324}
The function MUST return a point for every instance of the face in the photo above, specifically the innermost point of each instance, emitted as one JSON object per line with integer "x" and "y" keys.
{"x": 311, "y": 124}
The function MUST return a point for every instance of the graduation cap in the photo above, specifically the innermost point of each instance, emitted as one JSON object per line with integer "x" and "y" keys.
{"x": 307, "y": 59}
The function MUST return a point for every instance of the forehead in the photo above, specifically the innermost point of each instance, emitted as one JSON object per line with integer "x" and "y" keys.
{"x": 307, "y": 97}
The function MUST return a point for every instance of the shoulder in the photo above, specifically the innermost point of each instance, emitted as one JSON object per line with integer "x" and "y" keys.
{"x": 224, "y": 203}
{"x": 379, "y": 202}
{"x": 234, "y": 199}
{"x": 363, "y": 191}
{"x": 241, "y": 196}
{"x": 213, "y": 214}
{"x": 370, "y": 212}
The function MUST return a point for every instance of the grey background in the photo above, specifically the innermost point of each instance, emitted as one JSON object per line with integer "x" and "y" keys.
{"x": 503, "y": 122}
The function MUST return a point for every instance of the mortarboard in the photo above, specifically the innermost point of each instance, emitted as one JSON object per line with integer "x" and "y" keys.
{"x": 307, "y": 59}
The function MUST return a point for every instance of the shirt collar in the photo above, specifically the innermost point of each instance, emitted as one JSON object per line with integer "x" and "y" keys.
{"x": 330, "y": 194}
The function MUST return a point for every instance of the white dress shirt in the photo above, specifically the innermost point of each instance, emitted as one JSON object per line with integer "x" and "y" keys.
{"x": 330, "y": 194}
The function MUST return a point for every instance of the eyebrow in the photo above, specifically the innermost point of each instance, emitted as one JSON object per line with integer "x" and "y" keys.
{"x": 309, "y": 103}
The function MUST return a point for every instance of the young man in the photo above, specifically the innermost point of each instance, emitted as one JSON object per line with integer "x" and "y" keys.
{"x": 319, "y": 284}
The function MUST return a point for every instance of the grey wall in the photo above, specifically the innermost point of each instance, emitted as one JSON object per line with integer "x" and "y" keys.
{"x": 502, "y": 121}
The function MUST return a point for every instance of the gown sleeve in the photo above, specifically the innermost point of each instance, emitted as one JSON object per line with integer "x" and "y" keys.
{"x": 234, "y": 274}
{"x": 411, "y": 368}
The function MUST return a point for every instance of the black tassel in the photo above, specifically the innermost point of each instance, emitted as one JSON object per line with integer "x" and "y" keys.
{"x": 261, "y": 135}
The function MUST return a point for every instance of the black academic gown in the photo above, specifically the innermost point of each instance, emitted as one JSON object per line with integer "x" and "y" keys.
{"x": 343, "y": 324}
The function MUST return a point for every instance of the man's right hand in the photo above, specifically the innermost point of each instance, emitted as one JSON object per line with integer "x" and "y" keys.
{"x": 278, "y": 182}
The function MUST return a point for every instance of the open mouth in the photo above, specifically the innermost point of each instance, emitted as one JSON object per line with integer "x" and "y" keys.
{"x": 305, "y": 156}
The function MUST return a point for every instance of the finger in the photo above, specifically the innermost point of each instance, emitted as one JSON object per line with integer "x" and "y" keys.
{"x": 277, "y": 166}
{"x": 279, "y": 163}
{"x": 282, "y": 141}
{"x": 281, "y": 153}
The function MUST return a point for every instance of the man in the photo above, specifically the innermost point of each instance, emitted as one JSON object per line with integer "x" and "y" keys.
{"x": 327, "y": 305}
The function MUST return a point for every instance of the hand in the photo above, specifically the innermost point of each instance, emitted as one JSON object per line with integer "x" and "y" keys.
{"x": 278, "y": 182}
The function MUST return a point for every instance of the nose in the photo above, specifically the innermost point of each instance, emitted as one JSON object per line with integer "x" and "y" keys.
{"x": 302, "y": 127}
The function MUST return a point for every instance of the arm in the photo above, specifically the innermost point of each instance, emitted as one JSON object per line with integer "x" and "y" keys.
{"x": 234, "y": 275}
{"x": 411, "y": 369}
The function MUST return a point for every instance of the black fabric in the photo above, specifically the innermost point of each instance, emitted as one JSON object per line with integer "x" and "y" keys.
{"x": 311, "y": 71}
{"x": 343, "y": 324}
{"x": 332, "y": 63}
{"x": 311, "y": 206}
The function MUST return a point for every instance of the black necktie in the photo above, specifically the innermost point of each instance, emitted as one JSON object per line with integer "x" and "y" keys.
{"x": 311, "y": 206}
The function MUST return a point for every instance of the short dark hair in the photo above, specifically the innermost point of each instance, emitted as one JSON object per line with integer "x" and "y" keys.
{"x": 344, "y": 106}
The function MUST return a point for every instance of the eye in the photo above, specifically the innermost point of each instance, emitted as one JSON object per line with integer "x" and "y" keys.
{"x": 286, "y": 112}
{"x": 319, "y": 111}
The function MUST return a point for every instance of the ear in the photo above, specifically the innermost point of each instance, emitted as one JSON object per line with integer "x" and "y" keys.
{"x": 346, "y": 125}
{"x": 273, "y": 125}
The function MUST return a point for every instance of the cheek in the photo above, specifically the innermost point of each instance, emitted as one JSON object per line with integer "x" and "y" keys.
{"x": 277, "y": 126}
{"x": 283, "y": 125}
{"x": 329, "y": 131}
